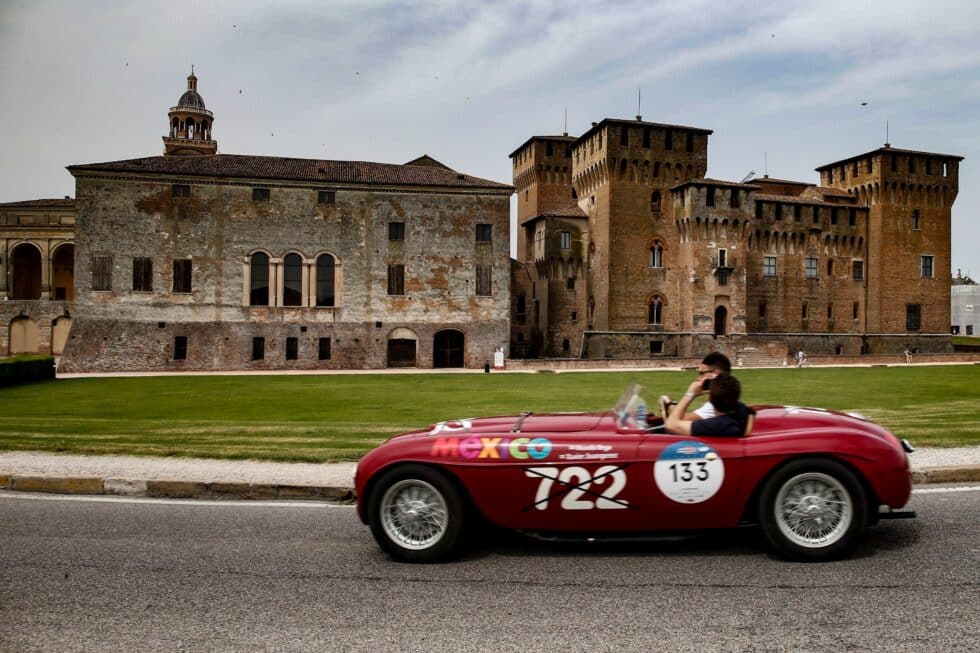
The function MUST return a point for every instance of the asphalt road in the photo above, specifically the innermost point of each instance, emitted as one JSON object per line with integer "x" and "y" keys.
{"x": 125, "y": 575}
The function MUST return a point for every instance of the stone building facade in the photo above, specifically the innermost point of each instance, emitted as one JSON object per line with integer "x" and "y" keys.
{"x": 37, "y": 255}
{"x": 667, "y": 262}
{"x": 196, "y": 260}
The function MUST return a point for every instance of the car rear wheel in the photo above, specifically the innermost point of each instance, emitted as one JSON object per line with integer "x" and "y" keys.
{"x": 416, "y": 514}
{"x": 813, "y": 509}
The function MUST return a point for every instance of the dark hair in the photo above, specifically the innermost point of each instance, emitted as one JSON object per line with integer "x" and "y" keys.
{"x": 724, "y": 392}
{"x": 718, "y": 361}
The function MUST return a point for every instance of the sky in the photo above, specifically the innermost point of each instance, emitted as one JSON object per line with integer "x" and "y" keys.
{"x": 786, "y": 86}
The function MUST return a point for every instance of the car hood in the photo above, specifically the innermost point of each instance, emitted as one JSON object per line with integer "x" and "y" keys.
{"x": 803, "y": 421}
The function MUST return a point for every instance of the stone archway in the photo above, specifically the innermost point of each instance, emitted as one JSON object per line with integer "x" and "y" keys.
{"x": 22, "y": 336}
{"x": 448, "y": 348}
{"x": 25, "y": 269}
{"x": 59, "y": 334}
{"x": 63, "y": 273}
{"x": 402, "y": 348}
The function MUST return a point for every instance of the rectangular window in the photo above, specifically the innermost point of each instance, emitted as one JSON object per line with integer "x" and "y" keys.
{"x": 690, "y": 141}
{"x": 858, "y": 270}
{"x": 396, "y": 231}
{"x": 709, "y": 199}
{"x": 656, "y": 347}
{"x": 624, "y": 137}
{"x": 736, "y": 197}
{"x": 570, "y": 284}
{"x": 768, "y": 266}
{"x": 101, "y": 273}
{"x": 484, "y": 280}
{"x": 852, "y": 217}
{"x": 722, "y": 277}
{"x": 894, "y": 163}
{"x": 180, "y": 348}
{"x": 758, "y": 210}
{"x": 258, "y": 348}
{"x": 830, "y": 312}
{"x": 323, "y": 348}
{"x": 797, "y": 213}
{"x": 142, "y": 274}
{"x": 762, "y": 309}
{"x": 911, "y": 165}
{"x": 927, "y": 266}
{"x": 779, "y": 211}
{"x": 913, "y": 317}
{"x": 830, "y": 176}
{"x": 260, "y": 195}
{"x": 574, "y": 316}
{"x": 816, "y": 215}
{"x": 810, "y": 267}
{"x": 805, "y": 307}
{"x": 854, "y": 310}
{"x": 549, "y": 148}
{"x": 722, "y": 258}
{"x": 668, "y": 139}
{"x": 521, "y": 308}
{"x": 565, "y": 345}
{"x": 182, "y": 275}
{"x": 484, "y": 233}
{"x": 646, "y": 137}
{"x": 565, "y": 240}
{"x": 180, "y": 190}
{"x": 396, "y": 279}
{"x": 833, "y": 216}
{"x": 292, "y": 349}
{"x": 326, "y": 197}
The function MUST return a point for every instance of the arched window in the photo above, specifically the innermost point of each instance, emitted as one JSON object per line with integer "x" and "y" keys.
{"x": 656, "y": 255}
{"x": 259, "y": 285}
{"x": 655, "y": 310}
{"x": 325, "y": 266}
{"x": 292, "y": 280}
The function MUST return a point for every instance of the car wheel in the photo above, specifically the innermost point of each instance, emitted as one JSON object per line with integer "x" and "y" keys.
{"x": 812, "y": 510}
{"x": 416, "y": 514}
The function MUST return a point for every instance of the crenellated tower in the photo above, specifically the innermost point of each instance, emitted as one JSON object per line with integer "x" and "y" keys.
{"x": 910, "y": 196}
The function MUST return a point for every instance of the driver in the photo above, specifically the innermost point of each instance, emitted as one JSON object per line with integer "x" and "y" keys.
{"x": 732, "y": 419}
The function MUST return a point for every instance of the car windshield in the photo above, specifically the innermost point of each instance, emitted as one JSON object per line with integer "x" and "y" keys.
{"x": 630, "y": 410}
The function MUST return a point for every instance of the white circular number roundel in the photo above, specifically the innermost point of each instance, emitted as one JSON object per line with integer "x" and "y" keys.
{"x": 689, "y": 472}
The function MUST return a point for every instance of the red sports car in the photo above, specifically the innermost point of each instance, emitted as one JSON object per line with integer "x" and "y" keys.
{"x": 812, "y": 478}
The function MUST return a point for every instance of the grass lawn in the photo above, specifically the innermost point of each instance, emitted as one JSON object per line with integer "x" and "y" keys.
{"x": 329, "y": 418}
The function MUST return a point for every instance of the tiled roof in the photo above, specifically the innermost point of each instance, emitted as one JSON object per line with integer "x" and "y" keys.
{"x": 569, "y": 212}
{"x": 59, "y": 203}
{"x": 773, "y": 180}
{"x": 288, "y": 169}
{"x": 796, "y": 199}
{"x": 836, "y": 192}
{"x": 707, "y": 181}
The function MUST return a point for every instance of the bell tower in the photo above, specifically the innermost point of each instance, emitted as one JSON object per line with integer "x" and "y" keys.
{"x": 190, "y": 125}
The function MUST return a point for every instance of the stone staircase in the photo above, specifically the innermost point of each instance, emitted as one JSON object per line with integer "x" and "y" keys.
{"x": 753, "y": 357}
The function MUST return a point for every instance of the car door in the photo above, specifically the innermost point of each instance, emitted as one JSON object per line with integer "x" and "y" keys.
{"x": 690, "y": 481}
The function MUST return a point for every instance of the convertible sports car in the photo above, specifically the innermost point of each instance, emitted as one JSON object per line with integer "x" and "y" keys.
{"x": 812, "y": 478}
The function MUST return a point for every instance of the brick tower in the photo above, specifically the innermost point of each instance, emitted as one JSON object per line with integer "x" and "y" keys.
{"x": 910, "y": 195}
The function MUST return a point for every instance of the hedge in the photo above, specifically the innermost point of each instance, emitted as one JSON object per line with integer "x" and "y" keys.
{"x": 26, "y": 369}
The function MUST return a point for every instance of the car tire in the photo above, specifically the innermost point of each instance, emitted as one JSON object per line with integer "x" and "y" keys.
{"x": 416, "y": 514}
{"x": 813, "y": 509}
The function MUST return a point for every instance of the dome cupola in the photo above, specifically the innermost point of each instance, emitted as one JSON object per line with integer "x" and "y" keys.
{"x": 190, "y": 124}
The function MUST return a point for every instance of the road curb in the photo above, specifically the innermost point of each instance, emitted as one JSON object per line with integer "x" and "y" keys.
{"x": 167, "y": 489}
{"x": 173, "y": 489}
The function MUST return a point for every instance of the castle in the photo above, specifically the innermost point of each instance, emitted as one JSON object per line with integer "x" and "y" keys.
{"x": 626, "y": 250}
{"x": 197, "y": 260}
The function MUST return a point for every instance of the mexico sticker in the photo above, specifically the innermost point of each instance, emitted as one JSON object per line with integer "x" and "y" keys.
{"x": 689, "y": 472}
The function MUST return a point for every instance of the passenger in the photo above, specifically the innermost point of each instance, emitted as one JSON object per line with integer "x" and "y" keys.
{"x": 733, "y": 418}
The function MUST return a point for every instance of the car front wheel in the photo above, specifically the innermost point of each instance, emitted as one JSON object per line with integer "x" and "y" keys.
{"x": 416, "y": 514}
{"x": 813, "y": 509}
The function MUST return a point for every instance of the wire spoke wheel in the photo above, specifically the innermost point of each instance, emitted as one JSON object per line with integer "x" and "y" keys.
{"x": 414, "y": 514}
{"x": 813, "y": 510}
